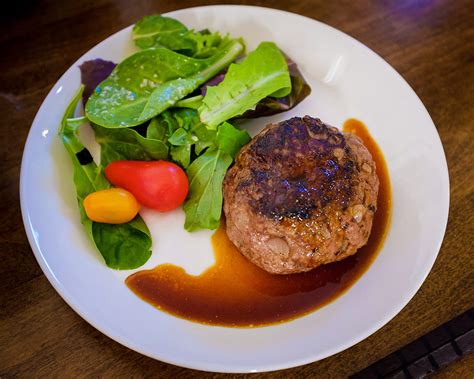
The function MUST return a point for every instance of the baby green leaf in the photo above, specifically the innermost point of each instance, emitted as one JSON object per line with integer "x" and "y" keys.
{"x": 268, "y": 106}
{"x": 161, "y": 31}
{"x": 188, "y": 132}
{"x": 190, "y": 102}
{"x": 150, "y": 81}
{"x": 230, "y": 139}
{"x": 169, "y": 122}
{"x": 204, "y": 205}
{"x": 87, "y": 177}
{"x": 205, "y": 138}
{"x": 206, "y": 173}
{"x": 262, "y": 73}
{"x": 123, "y": 246}
{"x": 181, "y": 154}
{"x": 179, "y": 137}
{"x": 207, "y": 43}
{"x": 157, "y": 130}
{"x": 180, "y": 151}
{"x": 127, "y": 144}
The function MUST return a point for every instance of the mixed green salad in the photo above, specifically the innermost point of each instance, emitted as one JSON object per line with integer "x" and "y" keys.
{"x": 165, "y": 119}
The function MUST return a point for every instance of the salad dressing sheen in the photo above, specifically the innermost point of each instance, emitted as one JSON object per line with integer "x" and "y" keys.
{"x": 235, "y": 292}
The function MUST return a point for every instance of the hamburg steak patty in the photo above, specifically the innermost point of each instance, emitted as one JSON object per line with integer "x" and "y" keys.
{"x": 301, "y": 194}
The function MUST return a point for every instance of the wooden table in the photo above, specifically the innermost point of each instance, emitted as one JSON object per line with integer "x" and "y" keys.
{"x": 430, "y": 43}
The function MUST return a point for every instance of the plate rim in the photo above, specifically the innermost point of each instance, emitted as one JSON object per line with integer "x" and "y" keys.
{"x": 213, "y": 367}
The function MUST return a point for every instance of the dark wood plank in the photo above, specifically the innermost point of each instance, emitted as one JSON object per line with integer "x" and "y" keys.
{"x": 431, "y": 43}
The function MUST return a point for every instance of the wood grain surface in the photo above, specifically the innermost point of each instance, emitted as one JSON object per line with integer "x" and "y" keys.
{"x": 429, "y": 42}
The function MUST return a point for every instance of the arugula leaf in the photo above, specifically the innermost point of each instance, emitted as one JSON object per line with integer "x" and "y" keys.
{"x": 161, "y": 31}
{"x": 186, "y": 131}
{"x": 230, "y": 139}
{"x": 181, "y": 149}
{"x": 127, "y": 144}
{"x": 87, "y": 177}
{"x": 150, "y": 81}
{"x": 123, "y": 246}
{"x": 206, "y": 173}
{"x": 205, "y": 138}
{"x": 179, "y": 137}
{"x": 204, "y": 205}
{"x": 183, "y": 118}
{"x": 264, "y": 72}
{"x": 181, "y": 154}
{"x": 162, "y": 126}
{"x": 207, "y": 43}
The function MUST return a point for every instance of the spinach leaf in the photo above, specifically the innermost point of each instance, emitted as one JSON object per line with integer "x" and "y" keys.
{"x": 123, "y": 246}
{"x": 206, "y": 174}
{"x": 264, "y": 72}
{"x": 161, "y": 31}
{"x": 127, "y": 144}
{"x": 150, "y": 81}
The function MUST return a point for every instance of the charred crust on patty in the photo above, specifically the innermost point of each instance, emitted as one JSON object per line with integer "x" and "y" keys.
{"x": 289, "y": 184}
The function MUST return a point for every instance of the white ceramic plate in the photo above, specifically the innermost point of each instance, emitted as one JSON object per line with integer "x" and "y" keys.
{"x": 347, "y": 80}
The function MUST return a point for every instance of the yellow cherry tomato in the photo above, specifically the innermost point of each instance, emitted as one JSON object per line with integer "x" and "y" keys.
{"x": 111, "y": 206}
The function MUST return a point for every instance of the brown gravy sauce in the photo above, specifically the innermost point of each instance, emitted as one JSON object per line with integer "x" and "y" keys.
{"x": 236, "y": 293}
